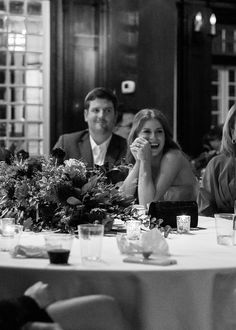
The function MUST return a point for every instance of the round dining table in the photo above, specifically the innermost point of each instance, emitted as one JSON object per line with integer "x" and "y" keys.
{"x": 196, "y": 293}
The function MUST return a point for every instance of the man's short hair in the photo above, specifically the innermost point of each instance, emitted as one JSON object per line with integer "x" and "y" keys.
{"x": 101, "y": 93}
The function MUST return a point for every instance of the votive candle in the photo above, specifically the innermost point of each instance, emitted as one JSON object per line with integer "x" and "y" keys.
{"x": 8, "y": 227}
{"x": 183, "y": 223}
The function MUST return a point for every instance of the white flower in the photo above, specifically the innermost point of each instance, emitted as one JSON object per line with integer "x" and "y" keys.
{"x": 74, "y": 167}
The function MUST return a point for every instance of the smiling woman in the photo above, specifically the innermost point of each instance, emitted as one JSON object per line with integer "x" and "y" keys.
{"x": 160, "y": 171}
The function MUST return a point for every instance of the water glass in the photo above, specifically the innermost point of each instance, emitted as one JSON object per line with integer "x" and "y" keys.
{"x": 133, "y": 229}
{"x": 58, "y": 247}
{"x": 225, "y": 228}
{"x": 14, "y": 241}
{"x": 7, "y": 227}
{"x": 90, "y": 236}
{"x": 10, "y": 237}
{"x": 183, "y": 224}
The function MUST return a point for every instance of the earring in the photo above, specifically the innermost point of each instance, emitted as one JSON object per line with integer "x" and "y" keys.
{"x": 234, "y": 141}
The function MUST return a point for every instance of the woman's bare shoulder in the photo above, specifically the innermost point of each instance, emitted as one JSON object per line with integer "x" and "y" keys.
{"x": 172, "y": 159}
{"x": 173, "y": 154}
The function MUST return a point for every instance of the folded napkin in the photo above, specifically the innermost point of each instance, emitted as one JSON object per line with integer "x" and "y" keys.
{"x": 154, "y": 242}
{"x": 29, "y": 251}
{"x": 127, "y": 246}
{"x": 29, "y": 245}
{"x": 150, "y": 241}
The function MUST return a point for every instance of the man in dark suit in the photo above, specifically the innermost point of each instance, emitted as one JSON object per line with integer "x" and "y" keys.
{"x": 97, "y": 145}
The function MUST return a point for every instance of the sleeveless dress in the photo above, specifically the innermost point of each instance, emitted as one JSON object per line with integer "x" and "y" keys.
{"x": 181, "y": 193}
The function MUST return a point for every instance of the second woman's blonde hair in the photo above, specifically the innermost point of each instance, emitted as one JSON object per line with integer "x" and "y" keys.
{"x": 227, "y": 145}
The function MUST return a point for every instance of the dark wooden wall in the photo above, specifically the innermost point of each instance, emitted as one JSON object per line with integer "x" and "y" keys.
{"x": 150, "y": 62}
{"x": 141, "y": 46}
{"x": 194, "y": 79}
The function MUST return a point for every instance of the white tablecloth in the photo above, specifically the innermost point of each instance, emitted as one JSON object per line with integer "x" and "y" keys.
{"x": 188, "y": 295}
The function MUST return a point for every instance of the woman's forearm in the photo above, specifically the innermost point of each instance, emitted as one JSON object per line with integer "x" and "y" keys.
{"x": 146, "y": 188}
{"x": 129, "y": 185}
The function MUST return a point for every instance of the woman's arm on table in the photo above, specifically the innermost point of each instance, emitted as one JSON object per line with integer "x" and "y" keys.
{"x": 170, "y": 166}
{"x": 129, "y": 186}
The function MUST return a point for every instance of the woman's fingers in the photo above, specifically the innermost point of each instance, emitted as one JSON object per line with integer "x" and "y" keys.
{"x": 139, "y": 143}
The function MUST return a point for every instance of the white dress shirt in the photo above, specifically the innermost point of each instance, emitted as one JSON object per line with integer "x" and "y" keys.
{"x": 99, "y": 150}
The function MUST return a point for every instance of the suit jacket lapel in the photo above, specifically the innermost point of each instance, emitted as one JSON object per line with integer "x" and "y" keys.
{"x": 112, "y": 151}
{"x": 86, "y": 150}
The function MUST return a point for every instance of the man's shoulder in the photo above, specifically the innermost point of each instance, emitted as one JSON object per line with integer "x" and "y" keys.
{"x": 76, "y": 135}
{"x": 119, "y": 139}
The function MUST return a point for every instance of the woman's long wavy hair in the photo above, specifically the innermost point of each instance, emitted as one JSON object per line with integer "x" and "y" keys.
{"x": 227, "y": 145}
{"x": 139, "y": 120}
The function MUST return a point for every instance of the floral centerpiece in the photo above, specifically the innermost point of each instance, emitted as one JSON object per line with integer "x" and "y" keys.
{"x": 59, "y": 195}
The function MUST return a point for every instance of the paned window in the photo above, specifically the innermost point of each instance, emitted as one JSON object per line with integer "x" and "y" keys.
{"x": 224, "y": 42}
{"x": 223, "y": 94}
{"x": 24, "y": 75}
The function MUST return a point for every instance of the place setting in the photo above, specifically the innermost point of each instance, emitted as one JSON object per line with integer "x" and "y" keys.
{"x": 143, "y": 245}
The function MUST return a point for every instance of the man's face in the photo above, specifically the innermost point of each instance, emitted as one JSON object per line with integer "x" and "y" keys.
{"x": 100, "y": 116}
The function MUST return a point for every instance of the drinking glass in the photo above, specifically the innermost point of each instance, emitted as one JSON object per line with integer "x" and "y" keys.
{"x": 133, "y": 229}
{"x": 90, "y": 236}
{"x": 224, "y": 223}
{"x": 7, "y": 226}
{"x": 10, "y": 237}
{"x": 18, "y": 230}
{"x": 58, "y": 247}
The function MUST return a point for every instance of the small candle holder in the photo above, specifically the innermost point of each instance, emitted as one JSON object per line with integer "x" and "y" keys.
{"x": 183, "y": 224}
{"x": 133, "y": 229}
{"x": 8, "y": 227}
{"x": 10, "y": 234}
